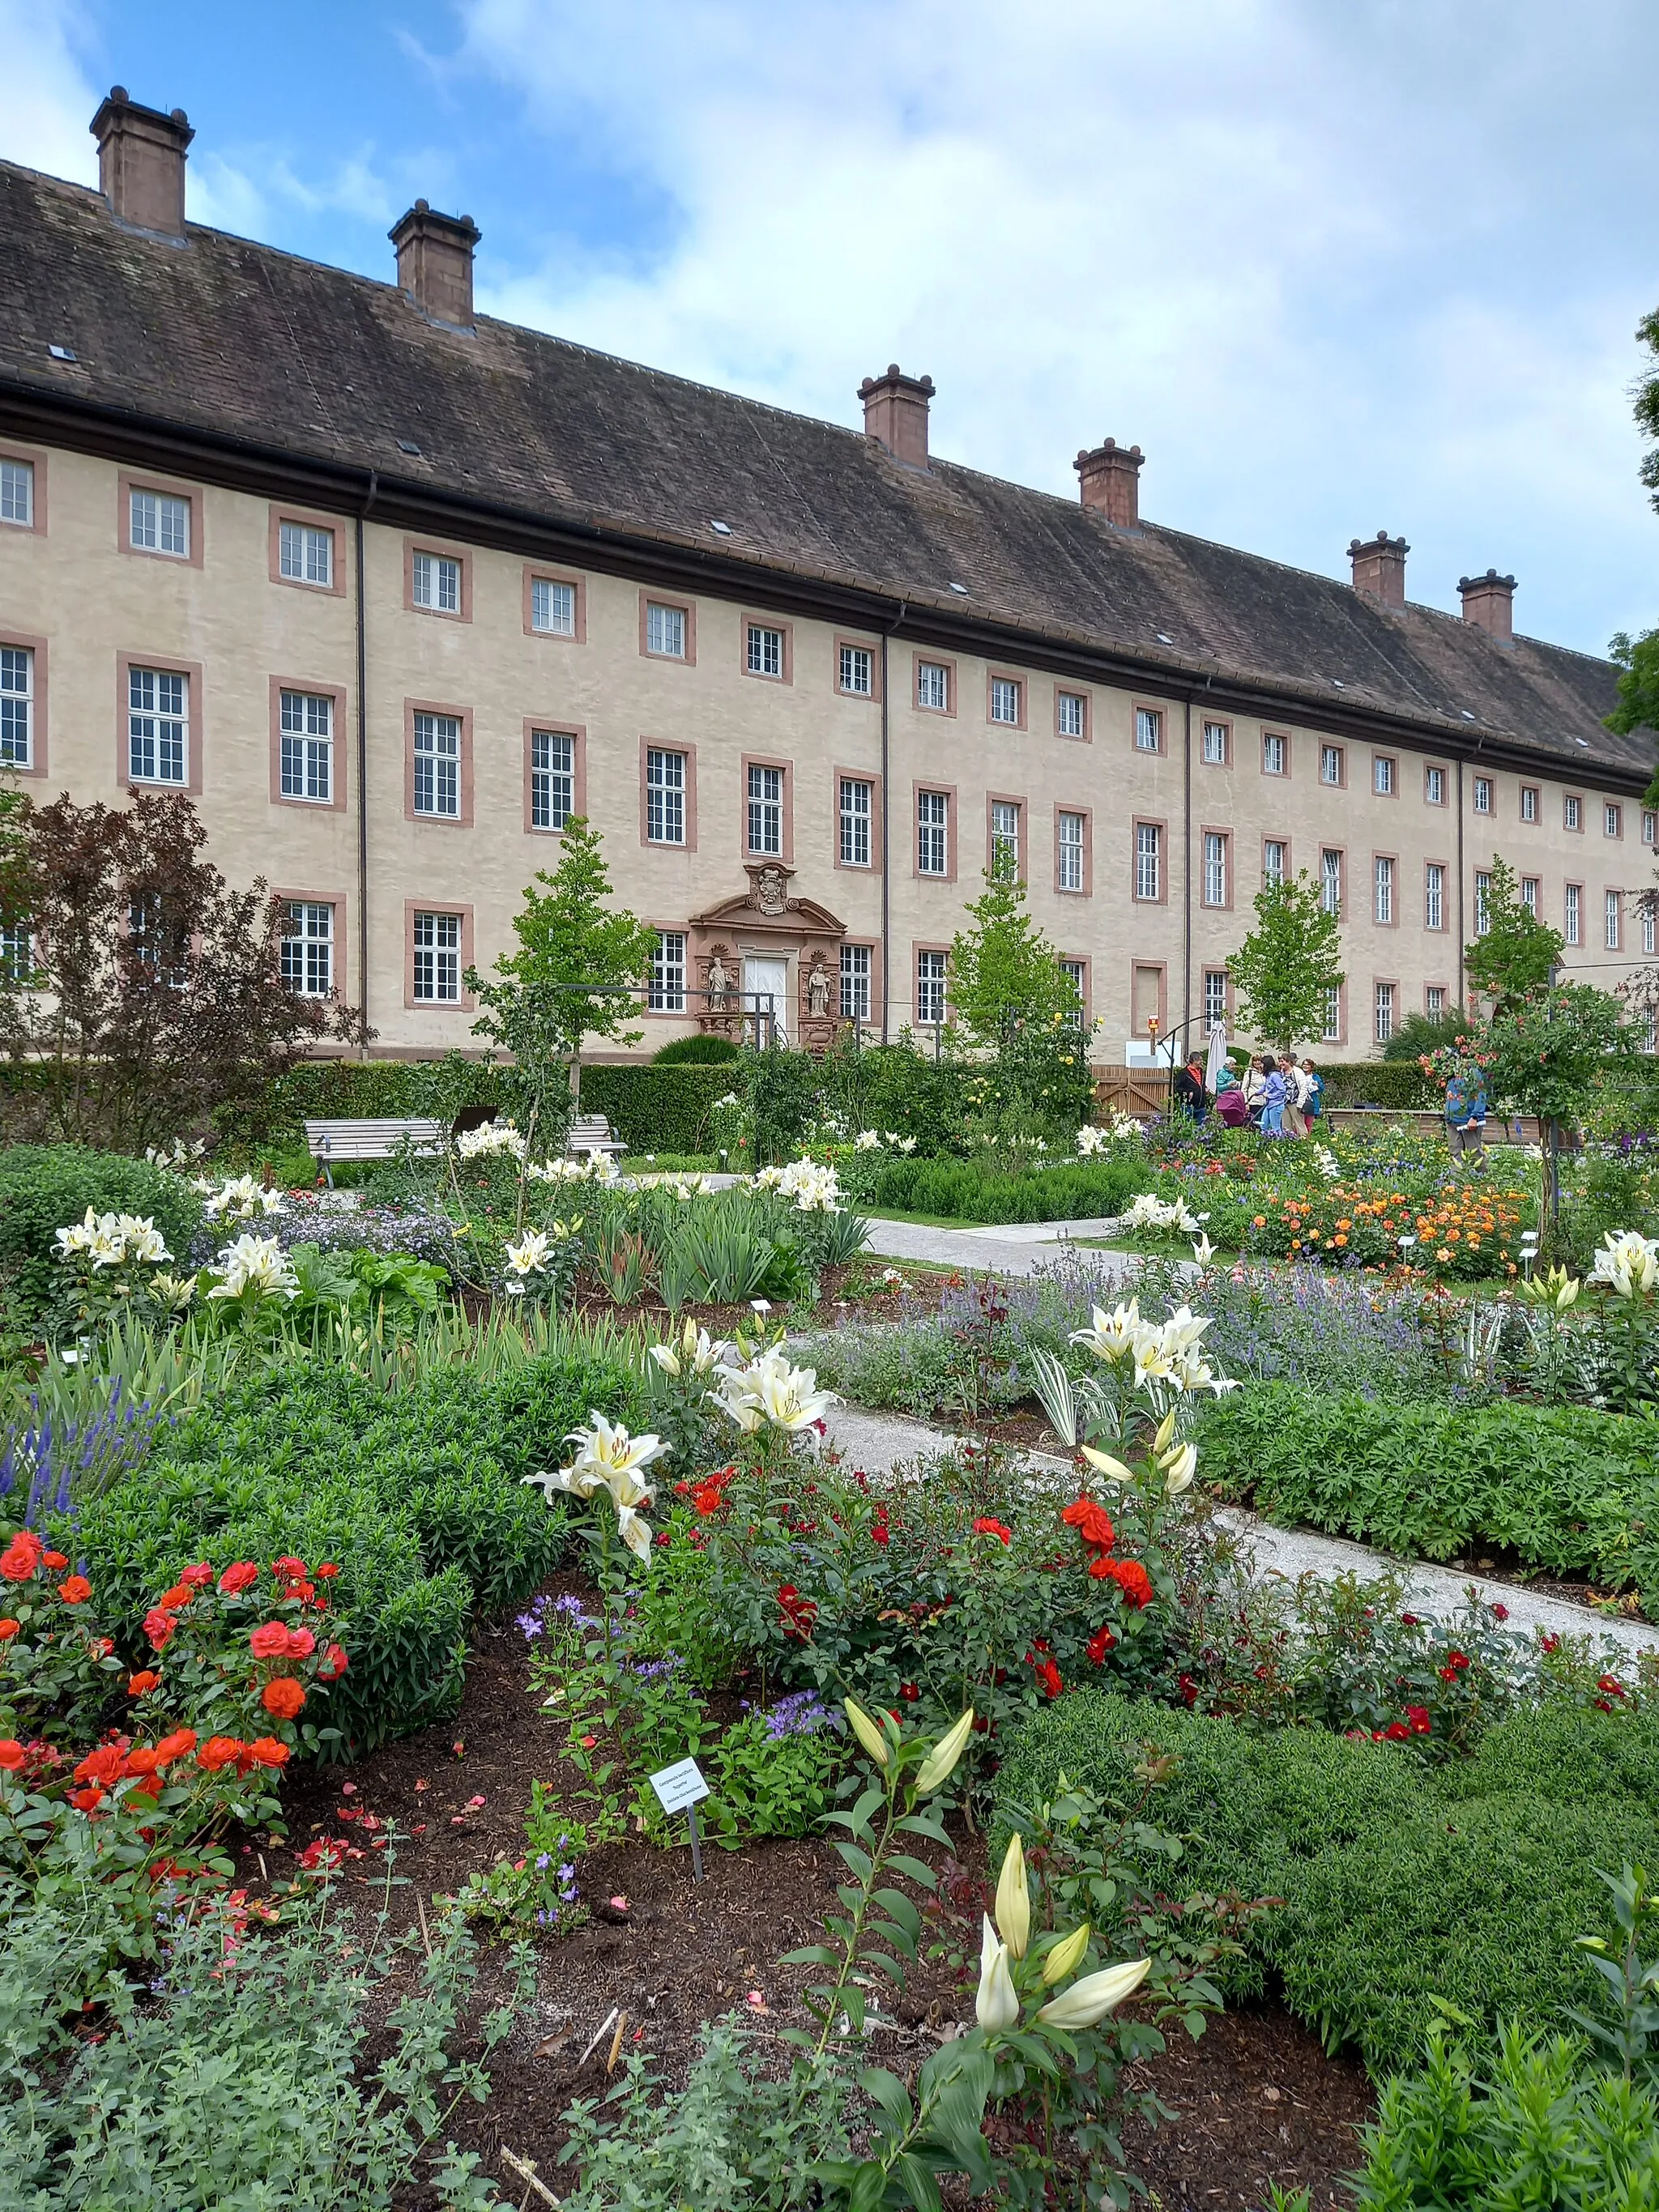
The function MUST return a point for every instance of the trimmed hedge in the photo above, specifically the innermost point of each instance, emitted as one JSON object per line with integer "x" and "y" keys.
{"x": 1376, "y": 1082}
{"x": 45, "y": 1187}
{"x": 959, "y": 1189}
{"x": 367, "y": 1090}
{"x": 1569, "y": 1490}
{"x": 1400, "y": 1883}
{"x": 417, "y": 1497}
{"x": 658, "y": 1109}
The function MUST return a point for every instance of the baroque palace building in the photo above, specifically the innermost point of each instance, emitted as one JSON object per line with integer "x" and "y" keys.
{"x": 393, "y": 590}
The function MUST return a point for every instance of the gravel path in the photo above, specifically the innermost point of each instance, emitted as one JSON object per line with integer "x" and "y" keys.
{"x": 1011, "y": 1248}
{"x": 875, "y": 1441}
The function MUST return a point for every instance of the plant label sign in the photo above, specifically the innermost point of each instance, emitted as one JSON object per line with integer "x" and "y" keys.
{"x": 678, "y": 1788}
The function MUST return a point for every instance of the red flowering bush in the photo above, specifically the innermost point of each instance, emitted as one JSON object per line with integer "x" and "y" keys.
{"x": 54, "y": 1665}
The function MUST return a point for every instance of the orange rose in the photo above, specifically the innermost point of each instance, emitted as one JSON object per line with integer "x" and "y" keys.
{"x": 74, "y": 1590}
{"x": 283, "y": 1697}
{"x": 141, "y": 1684}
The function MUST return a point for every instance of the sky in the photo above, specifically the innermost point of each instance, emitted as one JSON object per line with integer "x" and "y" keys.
{"x": 1335, "y": 265}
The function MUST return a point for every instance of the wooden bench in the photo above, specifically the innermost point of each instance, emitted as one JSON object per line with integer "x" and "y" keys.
{"x": 330, "y": 1142}
{"x": 590, "y": 1134}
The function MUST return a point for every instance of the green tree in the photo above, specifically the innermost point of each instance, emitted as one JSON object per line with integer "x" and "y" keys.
{"x": 1005, "y": 974}
{"x": 1286, "y": 969}
{"x": 1514, "y": 956}
{"x": 1638, "y": 657}
{"x": 578, "y": 961}
{"x": 1545, "y": 1054}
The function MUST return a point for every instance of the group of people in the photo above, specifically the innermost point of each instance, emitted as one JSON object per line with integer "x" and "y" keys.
{"x": 1277, "y": 1097}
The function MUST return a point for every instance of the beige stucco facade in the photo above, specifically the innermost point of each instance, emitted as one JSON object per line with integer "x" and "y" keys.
{"x": 87, "y": 607}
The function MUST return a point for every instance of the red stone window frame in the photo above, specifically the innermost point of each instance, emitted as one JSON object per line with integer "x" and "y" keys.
{"x": 1137, "y": 708}
{"x": 337, "y": 692}
{"x": 1616, "y": 807}
{"x": 1161, "y": 968}
{"x": 1282, "y": 738}
{"x": 1136, "y": 825}
{"x": 1568, "y": 828}
{"x": 555, "y": 725}
{"x": 1287, "y": 844}
{"x": 1330, "y": 745}
{"x": 953, "y": 831}
{"x": 169, "y": 665}
{"x": 1385, "y": 982}
{"x": 439, "y": 552}
{"x": 1448, "y": 883}
{"x": 648, "y": 744}
{"x": 1205, "y": 971}
{"x": 1394, "y": 902}
{"x": 767, "y": 760}
{"x": 331, "y": 523}
{"x": 435, "y": 905}
{"x": 689, "y": 609}
{"x": 1433, "y": 983}
{"x": 1009, "y": 799}
{"x": 1224, "y": 830}
{"x": 1083, "y": 960}
{"x": 39, "y": 726}
{"x": 660, "y": 925}
{"x": 1022, "y": 696}
{"x": 1537, "y": 815}
{"x": 873, "y": 1019}
{"x": 918, "y": 946}
{"x": 464, "y": 715}
{"x": 1393, "y": 791}
{"x": 339, "y": 902}
{"x": 537, "y": 571}
{"x": 1341, "y": 1037}
{"x": 1445, "y": 779}
{"x": 1088, "y": 886}
{"x": 37, "y": 458}
{"x": 132, "y": 480}
{"x": 1086, "y": 736}
{"x": 870, "y": 645}
{"x": 871, "y": 776}
{"x": 750, "y": 620}
{"x": 1222, "y": 722}
{"x": 933, "y": 661}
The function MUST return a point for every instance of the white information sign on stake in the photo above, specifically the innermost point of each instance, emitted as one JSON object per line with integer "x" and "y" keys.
{"x": 678, "y": 1788}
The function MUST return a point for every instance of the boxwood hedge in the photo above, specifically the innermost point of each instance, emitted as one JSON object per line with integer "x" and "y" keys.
{"x": 965, "y": 1191}
{"x": 44, "y": 1188}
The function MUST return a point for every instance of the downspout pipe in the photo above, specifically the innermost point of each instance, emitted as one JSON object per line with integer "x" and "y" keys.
{"x": 886, "y": 841}
{"x": 362, "y": 759}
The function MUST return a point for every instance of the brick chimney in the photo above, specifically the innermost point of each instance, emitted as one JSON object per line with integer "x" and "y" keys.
{"x": 896, "y": 414}
{"x": 434, "y": 261}
{"x": 140, "y": 162}
{"x": 1489, "y": 603}
{"x": 1108, "y": 479}
{"x": 1379, "y": 568}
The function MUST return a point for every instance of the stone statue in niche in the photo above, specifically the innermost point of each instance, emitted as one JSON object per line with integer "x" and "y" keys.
{"x": 719, "y": 982}
{"x": 817, "y": 991}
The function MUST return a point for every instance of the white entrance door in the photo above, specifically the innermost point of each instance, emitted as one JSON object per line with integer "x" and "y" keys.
{"x": 768, "y": 976}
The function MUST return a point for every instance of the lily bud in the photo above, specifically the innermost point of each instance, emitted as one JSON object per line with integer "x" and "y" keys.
{"x": 995, "y": 2004}
{"x": 1165, "y": 1430}
{"x": 1014, "y": 1900}
{"x": 1066, "y": 1957}
{"x": 867, "y": 1730}
{"x": 1113, "y": 1469}
{"x": 940, "y": 1762}
{"x": 1179, "y": 1467}
{"x": 1088, "y": 2002}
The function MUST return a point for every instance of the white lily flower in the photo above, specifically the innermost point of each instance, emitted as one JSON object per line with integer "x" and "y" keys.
{"x": 528, "y": 1256}
{"x": 1627, "y": 1263}
{"x": 1111, "y": 1336}
{"x": 1179, "y": 1466}
{"x": 608, "y": 1448}
{"x": 1088, "y": 2002}
{"x": 254, "y": 1263}
{"x": 1203, "y": 1250}
{"x": 995, "y": 2004}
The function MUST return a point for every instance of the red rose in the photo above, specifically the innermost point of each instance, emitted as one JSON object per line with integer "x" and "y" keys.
{"x": 1100, "y": 1643}
{"x": 142, "y": 1682}
{"x": 160, "y": 1627}
{"x": 144, "y": 1760}
{"x": 1612, "y": 1685}
{"x": 1133, "y": 1579}
{"x": 197, "y": 1578}
{"x": 335, "y": 1664}
{"x": 300, "y": 1643}
{"x": 177, "y": 1745}
{"x": 53, "y": 1560}
{"x": 909, "y": 1691}
{"x": 879, "y": 1533}
{"x": 1092, "y": 1522}
{"x": 1049, "y": 1675}
{"x": 270, "y": 1640}
{"x": 21, "y": 1557}
{"x": 986, "y": 1527}
{"x": 283, "y": 1697}
{"x": 327, "y": 1571}
{"x": 170, "y": 1600}
{"x": 219, "y": 1751}
{"x": 104, "y": 1765}
{"x": 288, "y": 1569}
{"x": 74, "y": 1590}
{"x": 9, "y": 1628}
{"x": 238, "y": 1577}
{"x": 85, "y": 1800}
{"x": 12, "y": 1755}
{"x": 266, "y": 1751}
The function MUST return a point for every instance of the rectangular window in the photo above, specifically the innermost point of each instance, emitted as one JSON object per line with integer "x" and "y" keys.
{"x": 930, "y": 988}
{"x": 933, "y": 830}
{"x": 1434, "y": 786}
{"x": 306, "y": 555}
{"x": 1215, "y": 996}
{"x": 158, "y": 943}
{"x": 1215, "y": 868}
{"x": 765, "y": 810}
{"x": 665, "y": 798}
{"x": 158, "y": 706}
{"x": 437, "y": 959}
{"x": 1611, "y": 922}
{"x": 1572, "y": 813}
{"x": 1331, "y": 1033}
{"x": 1482, "y": 901}
{"x": 437, "y": 766}
{"x": 307, "y": 739}
{"x": 552, "y": 779}
{"x": 1613, "y": 820}
{"x": 934, "y": 686}
{"x": 1572, "y": 903}
{"x": 1382, "y": 906}
{"x": 16, "y": 952}
{"x": 1649, "y": 825}
{"x": 1330, "y": 764}
{"x": 1434, "y": 1001}
{"x": 1383, "y": 775}
{"x": 552, "y": 607}
{"x": 1070, "y": 714}
{"x": 1275, "y": 754}
{"x": 1330, "y": 872}
{"x": 1384, "y": 1012}
{"x": 17, "y": 493}
{"x": 17, "y": 706}
{"x": 855, "y": 982}
{"x": 1215, "y": 744}
{"x": 855, "y": 810}
{"x": 160, "y": 524}
{"x": 1148, "y": 860}
{"x": 665, "y": 994}
{"x": 1272, "y": 860}
{"x": 1529, "y": 894}
{"x": 665, "y": 630}
{"x": 765, "y": 651}
{"x": 308, "y": 949}
{"x": 1004, "y": 838}
{"x": 1149, "y": 730}
{"x": 1070, "y": 872}
{"x": 1004, "y": 700}
{"x": 1077, "y": 974}
{"x": 1649, "y": 926}
{"x": 1529, "y": 802}
{"x": 435, "y": 582}
{"x": 1483, "y": 794}
{"x": 858, "y": 671}
{"x": 1434, "y": 896}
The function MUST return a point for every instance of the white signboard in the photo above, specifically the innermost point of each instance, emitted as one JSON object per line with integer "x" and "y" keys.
{"x": 680, "y": 1787}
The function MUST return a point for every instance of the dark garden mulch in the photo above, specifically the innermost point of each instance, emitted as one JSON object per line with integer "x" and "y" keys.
{"x": 1257, "y": 2101}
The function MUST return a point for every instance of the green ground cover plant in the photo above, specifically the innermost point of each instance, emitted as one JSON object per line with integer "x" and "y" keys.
{"x": 1569, "y": 1490}
{"x": 1402, "y": 1882}
{"x": 965, "y": 1191}
{"x": 46, "y": 1188}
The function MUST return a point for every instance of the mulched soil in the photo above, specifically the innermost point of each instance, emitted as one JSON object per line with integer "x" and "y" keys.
{"x": 857, "y": 1292}
{"x": 1256, "y": 2100}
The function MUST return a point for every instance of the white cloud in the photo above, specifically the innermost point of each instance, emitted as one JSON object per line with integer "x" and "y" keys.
{"x": 49, "y": 98}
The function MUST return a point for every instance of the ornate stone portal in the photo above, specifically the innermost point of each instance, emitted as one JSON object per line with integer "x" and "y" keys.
{"x": 762, "y": 941}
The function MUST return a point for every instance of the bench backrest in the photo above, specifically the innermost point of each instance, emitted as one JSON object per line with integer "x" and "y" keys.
{"x": 373, "y": 1141}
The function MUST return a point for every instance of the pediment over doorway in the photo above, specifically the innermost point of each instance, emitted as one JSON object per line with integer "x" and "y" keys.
{"x": 770, "y": 904}
{"x": 760, "y": 939}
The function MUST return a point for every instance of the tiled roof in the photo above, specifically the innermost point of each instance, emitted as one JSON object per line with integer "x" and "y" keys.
{"x": 225, "y": 338}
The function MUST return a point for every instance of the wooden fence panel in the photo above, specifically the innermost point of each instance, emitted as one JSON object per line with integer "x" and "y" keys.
{"x": 1142, "y": 1091}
